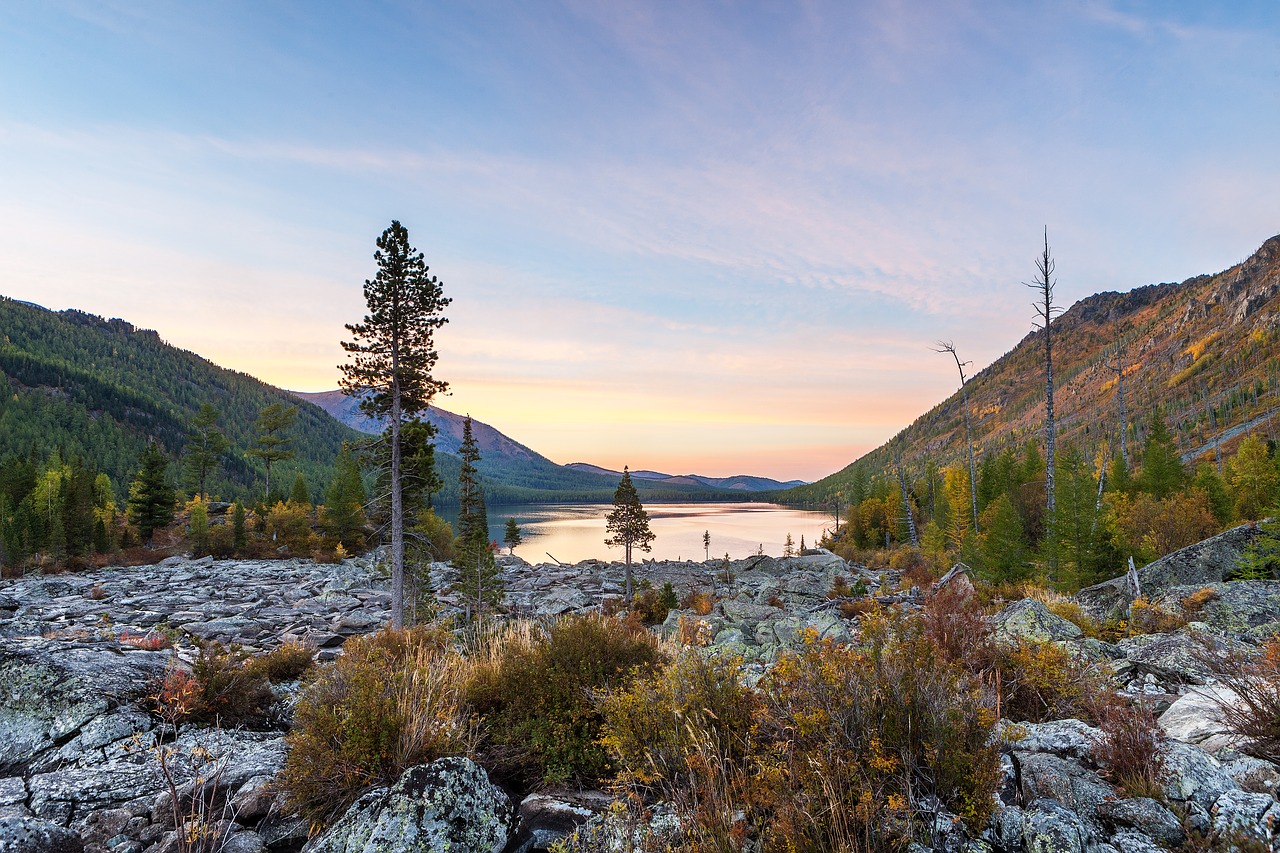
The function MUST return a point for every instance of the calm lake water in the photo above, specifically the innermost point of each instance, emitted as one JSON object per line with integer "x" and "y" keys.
{"x": 574, "y": 532}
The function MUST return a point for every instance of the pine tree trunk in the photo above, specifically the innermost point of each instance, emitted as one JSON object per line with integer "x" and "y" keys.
{"x": 397, "y": 510}
{"x": 627, "y": 584}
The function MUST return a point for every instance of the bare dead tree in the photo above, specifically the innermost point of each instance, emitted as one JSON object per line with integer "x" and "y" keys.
{"x": 948, "y": 346}
{"x": 1043, "y": 286}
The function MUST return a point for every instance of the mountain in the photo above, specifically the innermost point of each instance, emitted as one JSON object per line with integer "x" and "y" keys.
{"x": 99, "y": 389}
{"x": 514, "y": 473}
{"x": 1204, "y": 353}
{"x": 737, "y": 483}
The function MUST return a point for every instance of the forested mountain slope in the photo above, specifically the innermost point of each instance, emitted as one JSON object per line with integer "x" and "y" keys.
{"x": 98, "y": 389}
{"x": 1204, "y": 354}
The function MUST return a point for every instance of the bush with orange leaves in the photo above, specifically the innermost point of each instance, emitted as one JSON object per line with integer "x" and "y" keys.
{"x": 859, "y": 737}
{"x": 838, "y": 748}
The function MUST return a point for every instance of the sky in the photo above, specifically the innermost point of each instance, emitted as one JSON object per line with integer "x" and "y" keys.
{"x": 712, "y": 238}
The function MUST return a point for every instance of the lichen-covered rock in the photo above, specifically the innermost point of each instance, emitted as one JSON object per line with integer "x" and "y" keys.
{"x": 1239, "y": 813}
{"x": 32, "y": 835}
{"x": 1072, "y": 738}
{"x": 1045, "y": 776}
{"x": 64, "y": 796}
{"x": 1173, "y": 658}
{"x": 1255, "y": 775}
{"x": 1144, "y": 815}
{"x": 1029, "y": 619}
{"x": 52, "y": 688}
{"x": 1133, "y": 841}
{"x": 1194, "y": 776}
{"x": 1051, "y": 828}
{"x": 449, "y": 804}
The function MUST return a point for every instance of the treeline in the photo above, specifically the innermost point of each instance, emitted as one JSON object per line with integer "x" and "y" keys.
{"x": 1107, "y": 509}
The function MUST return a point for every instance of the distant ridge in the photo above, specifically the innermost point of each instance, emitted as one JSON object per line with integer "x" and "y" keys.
{"x": 506, "y": 460}
{"x": 738, "y": 482}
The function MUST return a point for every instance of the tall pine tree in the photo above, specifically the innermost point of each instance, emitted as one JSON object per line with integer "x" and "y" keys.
{"x": 392, "y": 356}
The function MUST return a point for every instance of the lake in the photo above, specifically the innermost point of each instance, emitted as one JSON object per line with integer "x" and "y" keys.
{"x": 574, "y": 532}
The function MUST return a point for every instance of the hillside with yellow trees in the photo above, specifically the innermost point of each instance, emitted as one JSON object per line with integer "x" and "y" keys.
{"x": 1165, "y": 400}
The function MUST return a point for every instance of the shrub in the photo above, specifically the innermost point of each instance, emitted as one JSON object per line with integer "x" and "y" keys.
{"x": 1132, "y": 748}
{"x": 693, "y": 633}
{"x": 699, "y": 602}
{"x": 1255, "y": 714}
{"x": 853, "y": 609}
{"x": 533, "y": 688}
{"x": 649, "y": 606}
{"x": 289, "y": 524}
{"x": 860, "y": 737}
{"x": 1146, "y": 617}
{"x": 290, "y": 661}
{"x": 231, "y": 691}
{"x": 1194, "y": 603}
{"x": 1043, "y": 681}
{"x": 685, "y": 735}
{"x": 390, "y": 701}
{"x": 839, "y": 588}
{"x": 148, "y": 642}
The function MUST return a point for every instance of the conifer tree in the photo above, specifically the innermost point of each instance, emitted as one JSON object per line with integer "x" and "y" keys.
{"x": 1254, "y": 479}
{"x": 344, "y": 516}
{"x": 392, "y": 358}
{"x": 478, "y": 573}
{"x": 511, "y": 535}
{"x": 1043, "y": 286}
{"x": 299, "y": 494}
{"x": 206, "y": 445}
{"x": 706, "y": 544}
{"x": 272, "y": 444}
{"x": 150, "y": 495}
{"x": 628, "y": 524}
{"x": 473, "y": 521}
{"x": 788, "y": 547}
{"x": 1162, "y": 472}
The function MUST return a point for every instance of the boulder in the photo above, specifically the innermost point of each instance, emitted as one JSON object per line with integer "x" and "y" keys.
{"x": 1044, "y": 776}
{"x": 1068, "y": 738}
{"x": 1194, "y": 776}
{"x": 1144, "y": 815}
{"x": 1049, "y": 827}
{"x": 1198, "y": 565}
{"x": 52, "y": 688}
{"x": 1029, "y": 619}
{"x": 32, "y": 835}
{"x": 1254, "y": 775}
{"x": 1196, "y": 717}
{"x": 545, "y": 819}
{"x": 449, "y": 804}
{"x": 1239, "y": 813}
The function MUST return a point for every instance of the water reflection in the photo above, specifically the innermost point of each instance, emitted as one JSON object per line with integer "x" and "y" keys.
{"x": 573, "y": 532}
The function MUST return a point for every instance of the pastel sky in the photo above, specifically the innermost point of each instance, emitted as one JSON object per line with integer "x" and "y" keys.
{"x": 694, "y": 237}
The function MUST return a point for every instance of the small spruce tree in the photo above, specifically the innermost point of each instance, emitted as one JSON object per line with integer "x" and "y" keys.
{"x": 511, "y": 535}
{"x": 150, "y": 495}
{"x": 628, "y": 525}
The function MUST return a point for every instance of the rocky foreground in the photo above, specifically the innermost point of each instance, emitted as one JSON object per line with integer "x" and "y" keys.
{"x": 80, "y": 767}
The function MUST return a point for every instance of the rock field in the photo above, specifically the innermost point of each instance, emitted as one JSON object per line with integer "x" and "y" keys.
{"x": 78, "y": 761}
